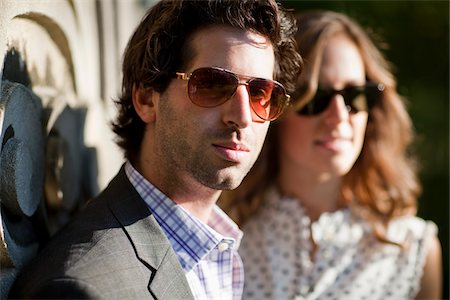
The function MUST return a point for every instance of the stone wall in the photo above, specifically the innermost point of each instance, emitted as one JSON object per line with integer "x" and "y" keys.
{"x": 60, "y": 71}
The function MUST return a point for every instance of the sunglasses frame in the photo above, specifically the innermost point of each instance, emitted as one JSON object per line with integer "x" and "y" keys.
{"x": 371, "y": 90}
{"x": 247, "y": 82}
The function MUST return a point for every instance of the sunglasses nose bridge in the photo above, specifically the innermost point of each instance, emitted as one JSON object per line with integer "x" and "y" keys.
{"x": 338, "y": 106}
{"x": 247, "y": 88}
{"x": 345, "y": 100}
{"x": 239, "y": 110}
{"x": 249, "y": 95}
{"x": 236, "y": 88}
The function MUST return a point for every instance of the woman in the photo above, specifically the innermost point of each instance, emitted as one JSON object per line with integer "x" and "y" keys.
{"x": 329, "y": 209}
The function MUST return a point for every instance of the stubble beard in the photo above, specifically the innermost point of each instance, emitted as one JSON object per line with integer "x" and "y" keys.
{"x": 184, "y": 160}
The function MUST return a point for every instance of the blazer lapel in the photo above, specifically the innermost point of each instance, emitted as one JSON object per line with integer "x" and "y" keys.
{"x": 170, "y": 281}
{"x": 167, "y": 279}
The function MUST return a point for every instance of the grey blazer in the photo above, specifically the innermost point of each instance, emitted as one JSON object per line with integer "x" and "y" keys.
{"x": 114, "y": 249}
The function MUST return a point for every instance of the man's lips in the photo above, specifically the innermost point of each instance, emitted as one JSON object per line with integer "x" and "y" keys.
{"x": 233, "y": 152}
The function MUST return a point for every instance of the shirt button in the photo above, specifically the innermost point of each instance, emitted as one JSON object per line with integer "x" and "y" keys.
{"x": 223, "y": 247}
{"x": 304, "y": 290}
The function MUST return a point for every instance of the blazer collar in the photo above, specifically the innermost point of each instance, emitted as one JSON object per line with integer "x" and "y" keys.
{"x": 168, "y": 280}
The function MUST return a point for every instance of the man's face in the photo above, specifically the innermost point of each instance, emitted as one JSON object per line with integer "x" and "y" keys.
{"x": 214, "y": 147}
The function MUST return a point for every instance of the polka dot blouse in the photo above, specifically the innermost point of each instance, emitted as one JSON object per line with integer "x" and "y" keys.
{"x": 349, "y": 262}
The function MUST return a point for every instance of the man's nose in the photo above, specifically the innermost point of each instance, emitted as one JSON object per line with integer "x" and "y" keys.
{"x": 238, "y": 111}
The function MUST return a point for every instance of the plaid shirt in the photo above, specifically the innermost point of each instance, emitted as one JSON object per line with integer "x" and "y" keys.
{"x": 207, "y": 253}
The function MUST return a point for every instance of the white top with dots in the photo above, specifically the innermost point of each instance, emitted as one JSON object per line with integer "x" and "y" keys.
{"x": 350, "y": 263}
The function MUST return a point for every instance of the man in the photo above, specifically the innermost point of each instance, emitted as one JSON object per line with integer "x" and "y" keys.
{"x": 198, "y": 95}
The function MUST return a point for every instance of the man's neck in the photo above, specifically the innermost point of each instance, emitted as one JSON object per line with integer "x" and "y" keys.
{"x": 199, "y": 210}
{"x": 196, "y": 198}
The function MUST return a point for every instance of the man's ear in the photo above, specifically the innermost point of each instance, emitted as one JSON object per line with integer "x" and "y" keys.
{"x": 145, "y": 103}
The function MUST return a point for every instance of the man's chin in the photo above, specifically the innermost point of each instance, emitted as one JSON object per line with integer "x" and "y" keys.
{"x": 226, "y": 183}
{"x": 227, "y": 178}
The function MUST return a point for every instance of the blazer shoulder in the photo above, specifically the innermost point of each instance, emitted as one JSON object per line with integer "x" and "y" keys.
{"x": 114, "y": 248}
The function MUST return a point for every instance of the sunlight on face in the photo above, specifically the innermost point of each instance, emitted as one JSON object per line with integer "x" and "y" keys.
{"x": 214, "y": 147}
{"x": 327, "y": 145}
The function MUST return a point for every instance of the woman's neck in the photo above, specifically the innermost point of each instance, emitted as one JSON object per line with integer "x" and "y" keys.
{"x": 318, "y": 194}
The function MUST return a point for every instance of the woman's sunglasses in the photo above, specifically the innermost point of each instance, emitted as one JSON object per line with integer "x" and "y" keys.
{"x": 356, "y": 98}
{"x": 210, "y": 87}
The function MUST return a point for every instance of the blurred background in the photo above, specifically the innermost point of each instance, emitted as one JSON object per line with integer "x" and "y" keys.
{"x": 415, "y": 39}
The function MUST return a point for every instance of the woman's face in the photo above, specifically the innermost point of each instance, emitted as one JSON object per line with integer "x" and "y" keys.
{"x": 327, "y": 145}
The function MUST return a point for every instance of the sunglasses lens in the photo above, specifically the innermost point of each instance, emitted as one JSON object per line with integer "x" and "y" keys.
{"x": 355, "y": 98}
{"x": 374, "y": 93}
{"x": 268, "y": 98}
{"x": 210, "y": 87}
{"x": 358, "y": 98}
{"x": 317, "y": 104}
{"x": 364, "y": 98}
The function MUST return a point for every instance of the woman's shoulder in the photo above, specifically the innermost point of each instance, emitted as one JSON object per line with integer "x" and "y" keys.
{"x": 411, "y": 228}
{"x": 421, "y": 243}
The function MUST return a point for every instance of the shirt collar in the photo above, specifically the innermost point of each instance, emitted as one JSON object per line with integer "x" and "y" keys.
{"x": 190, "y": 238}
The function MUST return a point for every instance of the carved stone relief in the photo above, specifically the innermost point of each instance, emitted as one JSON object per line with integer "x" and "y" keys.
{"x": 21, "y": 178}
{"x": 60, "y": 72}
{"x": 46, "y": 170}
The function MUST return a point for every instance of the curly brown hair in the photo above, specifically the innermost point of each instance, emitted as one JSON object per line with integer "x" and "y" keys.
{"x": 160, "y": 46}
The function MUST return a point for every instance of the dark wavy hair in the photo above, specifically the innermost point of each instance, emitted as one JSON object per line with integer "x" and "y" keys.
{"x": 382, "y": 184}
{"x": 160, "y": 46}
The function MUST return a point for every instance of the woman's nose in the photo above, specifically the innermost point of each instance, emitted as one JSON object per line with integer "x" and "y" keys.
{"x": 337, "y": 110}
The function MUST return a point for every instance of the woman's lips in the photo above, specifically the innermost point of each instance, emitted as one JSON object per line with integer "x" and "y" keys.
{"x": 334, "y": 144}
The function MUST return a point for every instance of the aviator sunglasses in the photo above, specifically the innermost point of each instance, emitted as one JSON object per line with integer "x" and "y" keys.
{"x": 211, "y": 86}
{"x": 356, "y": 98}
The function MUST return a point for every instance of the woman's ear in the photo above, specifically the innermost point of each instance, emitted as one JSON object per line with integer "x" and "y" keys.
{"x": 144, "y": 102}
